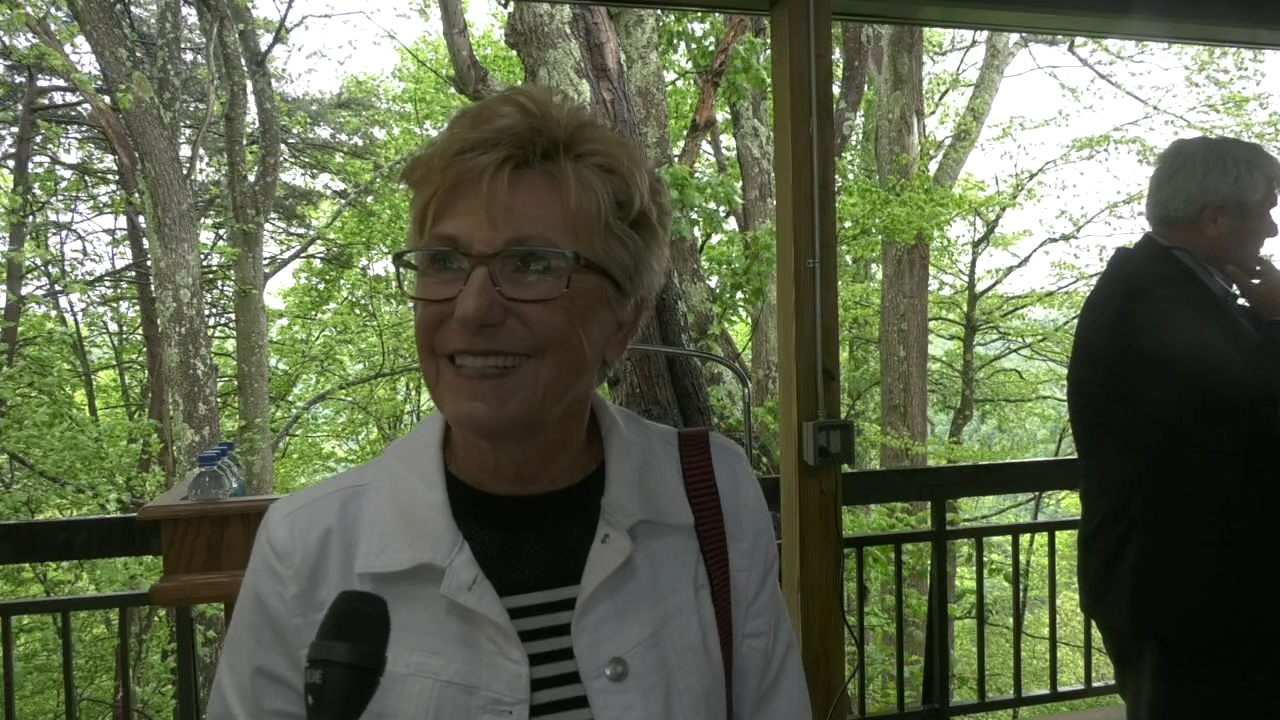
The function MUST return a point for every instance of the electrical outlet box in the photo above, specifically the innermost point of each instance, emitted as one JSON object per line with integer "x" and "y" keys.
{"x": 827, "y": 442}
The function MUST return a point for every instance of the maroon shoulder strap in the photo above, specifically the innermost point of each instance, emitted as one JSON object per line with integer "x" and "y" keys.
{"x": 708, "y": 521}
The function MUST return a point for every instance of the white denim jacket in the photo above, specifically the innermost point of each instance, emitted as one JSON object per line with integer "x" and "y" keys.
{"x": 386, "y": 527}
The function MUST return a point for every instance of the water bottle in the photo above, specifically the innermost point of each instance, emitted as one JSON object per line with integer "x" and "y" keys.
{"x": 232, "y": 467}
{"x": 210, "y": 482}
{"x": 234, "y": 463}
{"x": 225, "y": 468}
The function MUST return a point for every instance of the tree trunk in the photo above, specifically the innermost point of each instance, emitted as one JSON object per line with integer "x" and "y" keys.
{"x": 171, "y": 220}
{"x": 1000, "y": 51}
{"x": 904, "y": 291}
{"x": 904, "y": 324}
{"x": 854, "y": 63}
{"x": 966, "y": 404}
{"x": 753, "y": 145}
{"x": 19, "y": 221}
{"x": 156, "y": 389}
{"x": 250, "y": 202}
{"x": 904, "y": 297}
{"x": 685, "y": 313}
{"x": 682, "y": 400}
{"x": 542, "y": 35}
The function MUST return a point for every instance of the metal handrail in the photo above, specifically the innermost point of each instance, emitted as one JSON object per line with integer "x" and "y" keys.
{"x": 738, "y": 372}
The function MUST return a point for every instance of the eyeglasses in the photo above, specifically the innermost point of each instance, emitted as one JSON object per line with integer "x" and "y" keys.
{"x": 438, "y": 274}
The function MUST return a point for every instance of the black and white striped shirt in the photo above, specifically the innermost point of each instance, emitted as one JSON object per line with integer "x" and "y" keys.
{"x": 542, "y": 618}
{"x": 533, "y": 549}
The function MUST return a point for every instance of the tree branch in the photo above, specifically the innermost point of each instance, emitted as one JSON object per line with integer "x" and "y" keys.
{"x": 315, "y": 400}
{"x": 470, "y": 77}
{"x": 853, "y": 82}
{"x": 1087, "y": 64}
{"x": 1000, "y": 51}
{"x": 709, "y": 81}
{"x": 347, "y": 203}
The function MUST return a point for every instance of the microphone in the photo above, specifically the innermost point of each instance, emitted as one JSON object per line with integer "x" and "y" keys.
{"x": 346, "y": 660}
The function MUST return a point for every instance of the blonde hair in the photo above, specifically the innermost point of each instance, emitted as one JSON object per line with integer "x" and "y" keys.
{"x": 609, "y": 184}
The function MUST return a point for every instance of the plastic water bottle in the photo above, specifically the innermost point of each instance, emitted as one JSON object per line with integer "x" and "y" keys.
{"x": 210, "y": 482}
{"x": 224, "y": 466}
{"x": 233, "y": 467}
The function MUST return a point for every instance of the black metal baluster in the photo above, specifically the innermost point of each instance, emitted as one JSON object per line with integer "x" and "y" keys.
{"x": 122, "y": 661}
{"x": 69, "y": 668}
{"x": 1053, "y": 611}
{"x": 980, "y": 588}
{"x": 860, "y": 576}
{"x": 6, "y": 640}
{"x": 187, "y": 688}
{"x": 899, "y": 628}
{"x": 1017, "y": 614}
{"x": 1088, "y": 653}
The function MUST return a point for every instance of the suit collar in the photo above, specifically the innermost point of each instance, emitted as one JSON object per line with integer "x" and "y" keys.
{"x": 408, "y": 522}
{"x": 1214, "y": 278}
{"x": 1161, "y": 264}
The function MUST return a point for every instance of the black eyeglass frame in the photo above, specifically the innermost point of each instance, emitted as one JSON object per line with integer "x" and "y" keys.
{"x": 577, "y": 261}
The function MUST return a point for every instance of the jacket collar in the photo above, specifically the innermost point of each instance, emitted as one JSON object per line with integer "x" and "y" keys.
{"x": 1218, "y": 282}
{"x": 407, "y": 520}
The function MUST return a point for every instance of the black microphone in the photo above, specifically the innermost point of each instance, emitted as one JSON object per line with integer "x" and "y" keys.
{"x": 347, "y": 658}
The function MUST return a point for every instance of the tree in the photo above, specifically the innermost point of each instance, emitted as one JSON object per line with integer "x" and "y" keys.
{"x": 140, "y": 122}
{"x": 242, "y": 64}
{"x": 604, "y": 58}
{"x": 904, "y": 304}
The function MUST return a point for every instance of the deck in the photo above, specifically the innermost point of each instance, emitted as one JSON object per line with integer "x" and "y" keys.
{"x": 1115, "y": 713}
{"x": 1034, "y": 653}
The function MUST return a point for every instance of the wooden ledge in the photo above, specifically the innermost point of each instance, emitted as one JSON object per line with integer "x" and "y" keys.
{"x": 197, "y": 589}
{"x": 174, "y": 505}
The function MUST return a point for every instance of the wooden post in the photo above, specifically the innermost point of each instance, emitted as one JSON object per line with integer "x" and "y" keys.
{"x": 804, "y": 167}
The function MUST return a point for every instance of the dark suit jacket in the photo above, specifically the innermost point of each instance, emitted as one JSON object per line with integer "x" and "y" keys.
{"x": 1174, "y": 398}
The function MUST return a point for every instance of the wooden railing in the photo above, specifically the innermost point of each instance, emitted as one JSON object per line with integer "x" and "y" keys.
{"x": 896, "y": 613}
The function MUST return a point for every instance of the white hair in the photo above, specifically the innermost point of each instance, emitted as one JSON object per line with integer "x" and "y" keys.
{"x": 1195, "y": 174}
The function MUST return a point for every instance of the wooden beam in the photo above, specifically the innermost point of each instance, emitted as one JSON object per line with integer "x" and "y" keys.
{"x": 1240, "y": 23}
{"x": 939, "y": 483}
{"x": 804, "y": 170}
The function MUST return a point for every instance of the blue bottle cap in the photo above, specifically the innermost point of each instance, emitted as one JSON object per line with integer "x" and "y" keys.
{"x": 208, "y": 459}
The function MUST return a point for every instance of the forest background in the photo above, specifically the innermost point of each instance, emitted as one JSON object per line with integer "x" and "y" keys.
{"x": 201, "y": 199}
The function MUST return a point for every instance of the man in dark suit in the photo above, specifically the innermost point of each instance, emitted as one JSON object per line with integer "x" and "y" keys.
{"x": 1174, "y": 396}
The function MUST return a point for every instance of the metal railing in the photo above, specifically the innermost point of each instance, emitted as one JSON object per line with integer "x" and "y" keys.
{"x": 928, "y": 494}
{"x": 87, "y": 539}
{"x": 888, "y": 569}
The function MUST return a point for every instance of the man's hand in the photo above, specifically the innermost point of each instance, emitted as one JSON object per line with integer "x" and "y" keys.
{"x": 1261, "y": 289}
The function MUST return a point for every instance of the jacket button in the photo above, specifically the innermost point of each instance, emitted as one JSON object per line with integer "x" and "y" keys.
{"x": 616, "y": 670}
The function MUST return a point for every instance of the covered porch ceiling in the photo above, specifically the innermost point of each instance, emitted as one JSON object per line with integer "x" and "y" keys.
{"x": 1239, "y": 23}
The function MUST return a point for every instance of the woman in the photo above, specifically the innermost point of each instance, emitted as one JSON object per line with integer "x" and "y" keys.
{"x": 534, "y": 543}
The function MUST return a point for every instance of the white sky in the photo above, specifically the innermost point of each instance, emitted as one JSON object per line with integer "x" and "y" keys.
{"x": 366, "y": 37}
